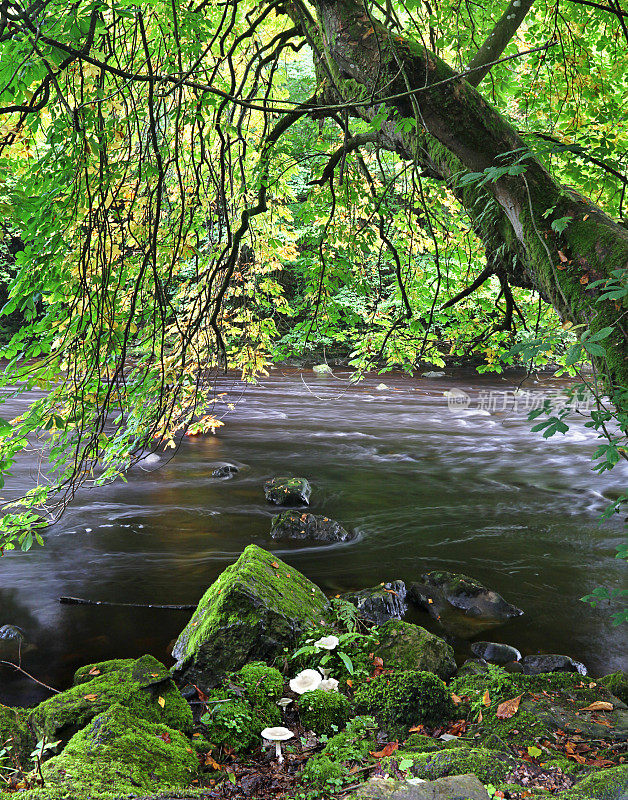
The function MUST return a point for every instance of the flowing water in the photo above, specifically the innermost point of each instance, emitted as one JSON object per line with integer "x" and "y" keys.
{"x": 426, "y": 486}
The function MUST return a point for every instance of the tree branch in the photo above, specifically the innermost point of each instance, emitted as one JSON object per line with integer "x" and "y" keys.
{"x": 497, "y": 41}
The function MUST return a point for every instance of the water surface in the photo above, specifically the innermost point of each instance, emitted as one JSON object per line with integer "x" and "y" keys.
{"x": 469, "y": 489}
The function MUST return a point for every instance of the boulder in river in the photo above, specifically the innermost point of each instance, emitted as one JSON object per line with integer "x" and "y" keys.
{"x": 226, "y": 471}
{"x": 462, "y": 605}
{"x": 403, "y": 646}
{"x": 317, "y": 528}
{"x": 321, "y": 369}
{"x": 288, "y": 491}
{"x": 495, "y": 652}
{"x": 144, "y": 686}
{"x": 380, "y": 603}
{"x": 254, "y": 609}
{"x": 535, "y": 665}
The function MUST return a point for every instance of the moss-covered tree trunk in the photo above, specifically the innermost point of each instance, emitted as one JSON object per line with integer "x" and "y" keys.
{"x": 456, "y": 132}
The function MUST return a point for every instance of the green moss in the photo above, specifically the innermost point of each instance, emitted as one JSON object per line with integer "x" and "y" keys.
{"x": 409, "y": 647}
{"x": 405, "y": 699}
{"x": 607, "y": 784}
{"x": 91, "y": 671}
{"x": 617, "y": 684}
{"x": 117, "y": 755}
{"x": 15, "y": 735}
{"x": 488, "y": 765}
{"x": 260, "y": 682}
{"x": 200, "y": 744}
{"x": 231, "y": 722}
{"x": 354, "y": 743}
{"x": 324, "y": 711}
{"x": 321, "y": 772}
{"x": 255, "y": 608}
{"x": 143, "y": 686}
{"x": 418, "y": 743}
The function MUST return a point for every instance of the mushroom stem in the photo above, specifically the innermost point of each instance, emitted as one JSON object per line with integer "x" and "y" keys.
{"x": 278, "y": 752}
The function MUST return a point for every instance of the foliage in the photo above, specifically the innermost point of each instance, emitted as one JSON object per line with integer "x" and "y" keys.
{"x": 324, "y": 712}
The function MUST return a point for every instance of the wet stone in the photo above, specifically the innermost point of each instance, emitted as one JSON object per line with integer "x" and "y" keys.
{"x": 495, "y": 652}
{"x": 534, "y": 665}
{"x": 380, "y": 603}
{"x": 317, "y": 528}
{"x": 288, "y": 491}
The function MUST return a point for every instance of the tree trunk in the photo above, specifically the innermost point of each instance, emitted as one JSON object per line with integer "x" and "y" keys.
{"x": 456, "y": 132}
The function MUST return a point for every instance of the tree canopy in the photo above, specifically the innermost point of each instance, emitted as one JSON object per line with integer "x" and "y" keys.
{"x": 214, "y": 184}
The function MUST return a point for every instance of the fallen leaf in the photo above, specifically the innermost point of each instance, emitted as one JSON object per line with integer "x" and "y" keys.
{"x": 94, "y": 671}
{"x": 274, "y": 564}
{"x": 387, "y": 750}
{"x": 161, "y": 701}
{"x": 211, "y": 762}
{"x": 90, "y": 697}
{"x": 480, "y": 717}
{"x": 599, "y": 705}
{"x": 535, "y": 752}
{"x": 165, "y": 736}
{"x": 457, "y": 700}
{"x": 508, "y": 708}
{"x": 585, "y": 218}
{"x": 486, "y": 698}
{"x": 562, "y": 256}
{"x": 417, "y": 729}
{"x": 584, "y": 279}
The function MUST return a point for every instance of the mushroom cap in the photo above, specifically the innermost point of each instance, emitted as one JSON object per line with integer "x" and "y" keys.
{"x": 328, "y": 643}
{"x": 329, "y": 685}
{"x": 306, "y": 681}
{"x": 277, "y": 734}
{"x": 284, "y": 702}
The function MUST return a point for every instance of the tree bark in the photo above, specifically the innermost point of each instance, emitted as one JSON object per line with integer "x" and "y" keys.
{"x": 456, "y": 131}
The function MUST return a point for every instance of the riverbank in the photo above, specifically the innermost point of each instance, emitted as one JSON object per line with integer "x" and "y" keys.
{"x": 278, "y": 692}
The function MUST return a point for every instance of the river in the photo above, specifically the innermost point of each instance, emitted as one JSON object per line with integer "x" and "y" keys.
{"x": 427, "y": 484}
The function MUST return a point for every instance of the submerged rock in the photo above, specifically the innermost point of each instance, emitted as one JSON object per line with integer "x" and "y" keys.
{"x": 119, "y": 753}
{"x": 321, "y": 369}
{"x": 226, "y": 471}
{"x": 403, "y": 646}
{"x": 254, "y": 609}
{"x": 534, "y": 665}
{"x": 288, "y": 491}
{"x": 433, "y": 374}
{"x": 380, "y": 603}
{"x": 456, "y": 786}
{"x": 294, "y": 525}
{"x": 462, "y": 605}
{"x": 144, "y": 686}
{"x": 496, "y": 652}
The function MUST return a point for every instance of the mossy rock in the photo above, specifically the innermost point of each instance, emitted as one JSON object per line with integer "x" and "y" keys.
{"x": 617, "y": 684}
{"x": 409, "y": 647}
{"x": 323, "y": 772}
{"x": 324, "y": 711}
{"x": 295, "y": 525}
{"x": 118, "y": 755}
{"x": 260, "y": 682}
{"x": 15, "y": 734}
{"x": 144, "y": 686}
{"x": 488, "y": 765}
{"x": 91, "y": 671}
{"x": 419, "y": 743}
{"x": 404, "y": 699}
{"x": 288, "y": 491}
{"x": 255, "y": 608}
{"x": 607, "y": 784}
{"x": 380, "y": 603}
{"x": 455, "y": 786}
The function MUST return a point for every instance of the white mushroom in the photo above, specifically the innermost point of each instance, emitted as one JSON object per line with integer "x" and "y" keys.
{"x": 329, "y": 685}
{"x": 327, "y": 643}
{"x": 305, "y": 681}
{"x": 277, "y": 736}
{"x": 284, "y": 703}
{"x": 324, "y": 672}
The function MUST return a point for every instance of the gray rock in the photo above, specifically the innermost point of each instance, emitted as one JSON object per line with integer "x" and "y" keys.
{"x": 254, "y": 609}
{"x": 495, "y": 652}
{"x": 225, "y": 471}
{"x": 288, "y": 491}
{"x": 454, "y": 787}
{"x": 380, "y": 603}
{"x": 295, "y": 525}
{"x": 433, "y": 374}
{"x": 534, "y": 665}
